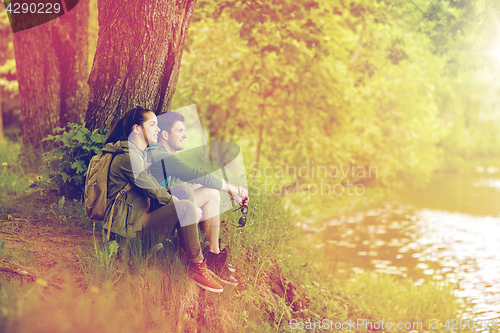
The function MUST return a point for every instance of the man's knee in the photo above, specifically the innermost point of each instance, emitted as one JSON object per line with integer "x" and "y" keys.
{"x": 184, "y": 207}
{"x": 187, "y": 212}
{"x": 183, "y": 192}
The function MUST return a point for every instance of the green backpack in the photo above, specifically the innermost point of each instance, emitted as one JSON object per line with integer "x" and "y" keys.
{"x": 96, "y": 188}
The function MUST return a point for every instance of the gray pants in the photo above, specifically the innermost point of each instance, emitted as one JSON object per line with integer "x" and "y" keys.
{"x": 160, "y": 223}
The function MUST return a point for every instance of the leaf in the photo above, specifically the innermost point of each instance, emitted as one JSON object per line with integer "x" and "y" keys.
{"x": 80, "y": 137}
{"x": 99, "y": 138}
{"x": 66, "y": 139}
{"x": 48, "y": 138}
{"x": 64, "y": 176}
{"x": 79, "y": 165}
{"x": 61, "y": 202}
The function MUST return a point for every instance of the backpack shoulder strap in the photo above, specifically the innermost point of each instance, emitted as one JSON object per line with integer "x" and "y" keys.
{"x": 127, "y": 188}
{"x": 104, "y": 165}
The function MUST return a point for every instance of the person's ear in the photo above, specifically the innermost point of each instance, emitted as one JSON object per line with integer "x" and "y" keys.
{"x": 164, "y": 135}
{"x": 136, "y": 129}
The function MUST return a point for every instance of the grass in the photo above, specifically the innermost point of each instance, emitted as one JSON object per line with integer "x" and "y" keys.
{"x": 400, "y": 300}
{"x": 150, "y": 291}
{"x": 128, "y": 289}
{"x": 9, "y": 155}
{"x": 64, "y": 215}
{"x": 403, "y": 299}
{"x": 12, "y": 175}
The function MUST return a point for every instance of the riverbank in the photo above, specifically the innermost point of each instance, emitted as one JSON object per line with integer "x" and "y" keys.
{"x": 445, "y": 232}
{"x": 58, "y": 276}
{"x": 79, "y": 284}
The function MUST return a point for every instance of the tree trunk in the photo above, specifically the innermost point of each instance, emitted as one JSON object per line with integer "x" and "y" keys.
{"x": 38, "y": 76}
{"x": 138, "y": 57}
{"x": 51, "y": 62}
{"x": 73, "y": 52}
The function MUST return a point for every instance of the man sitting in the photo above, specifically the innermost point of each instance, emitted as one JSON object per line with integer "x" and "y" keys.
{"x": 206, "y": 187}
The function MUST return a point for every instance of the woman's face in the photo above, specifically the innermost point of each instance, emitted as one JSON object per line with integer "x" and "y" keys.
{"x": 150, "y": 128}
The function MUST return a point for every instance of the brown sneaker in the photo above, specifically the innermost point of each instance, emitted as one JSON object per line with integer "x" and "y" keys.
{"x": 219, "y": 268}
{"x": 224, "y": 252}
{"x": 229, "y": 266}
{"x": 199, "y": 273}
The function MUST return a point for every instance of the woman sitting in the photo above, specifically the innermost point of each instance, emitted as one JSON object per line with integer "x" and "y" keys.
{"x": 148, "y": 211}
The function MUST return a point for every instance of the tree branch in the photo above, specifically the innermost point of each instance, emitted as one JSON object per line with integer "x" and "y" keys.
{"x": 360, "y": 41}
{"x": 417, "y": 6}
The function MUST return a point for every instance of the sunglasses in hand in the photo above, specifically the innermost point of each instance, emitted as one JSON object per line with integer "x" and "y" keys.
{"x": 243, "y": 220}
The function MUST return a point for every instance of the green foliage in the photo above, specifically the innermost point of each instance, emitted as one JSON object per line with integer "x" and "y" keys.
{"x": 99, "y": 265}
{"x": 13, "y": 178}
{"x": 297, "y": 80}
{"x": 7, "y": 63}
{"x": 469, "y": 112}
{"x": 392, "y": 84}
{"x": 9, "y": 156}
{"x": 67, "y": 163}
{"x": 66, "y": 213}
{"x": 402, "y": 300}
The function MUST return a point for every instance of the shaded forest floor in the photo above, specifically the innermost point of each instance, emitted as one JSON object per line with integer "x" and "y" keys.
{"x": 42, "y": 250}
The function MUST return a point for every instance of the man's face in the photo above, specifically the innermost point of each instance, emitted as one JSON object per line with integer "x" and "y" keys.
{"x": 176, "y": 136}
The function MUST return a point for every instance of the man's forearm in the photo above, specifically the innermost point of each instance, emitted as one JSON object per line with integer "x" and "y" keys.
{"x": 228, "y": 188}
{"x": 164, "y": 165}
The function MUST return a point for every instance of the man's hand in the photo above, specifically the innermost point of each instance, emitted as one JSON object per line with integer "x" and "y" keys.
{"x": 242, "y": 192}
{"x": 200, "y": 213}
{"x": 241, "y": 197}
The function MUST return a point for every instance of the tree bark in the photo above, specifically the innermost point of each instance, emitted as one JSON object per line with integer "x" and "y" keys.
{"x": 73, "y": 48}
{"x": 38, "y": 76}
{"x": 51, "y": 62}
{"x": 138, "y": 57}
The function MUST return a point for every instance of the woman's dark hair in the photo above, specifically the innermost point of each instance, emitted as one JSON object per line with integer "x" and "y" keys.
{"x": 123, "y": 127}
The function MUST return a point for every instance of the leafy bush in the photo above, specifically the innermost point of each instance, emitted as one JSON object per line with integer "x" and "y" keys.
{"x": 67, "y": 163}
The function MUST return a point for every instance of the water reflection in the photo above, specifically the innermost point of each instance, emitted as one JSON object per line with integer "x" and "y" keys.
{"x": 451, "y": 233}
{"x": 468, "y": 248}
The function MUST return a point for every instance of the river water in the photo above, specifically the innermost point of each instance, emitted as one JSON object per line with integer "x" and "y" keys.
{"x": 448, "y": 231}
